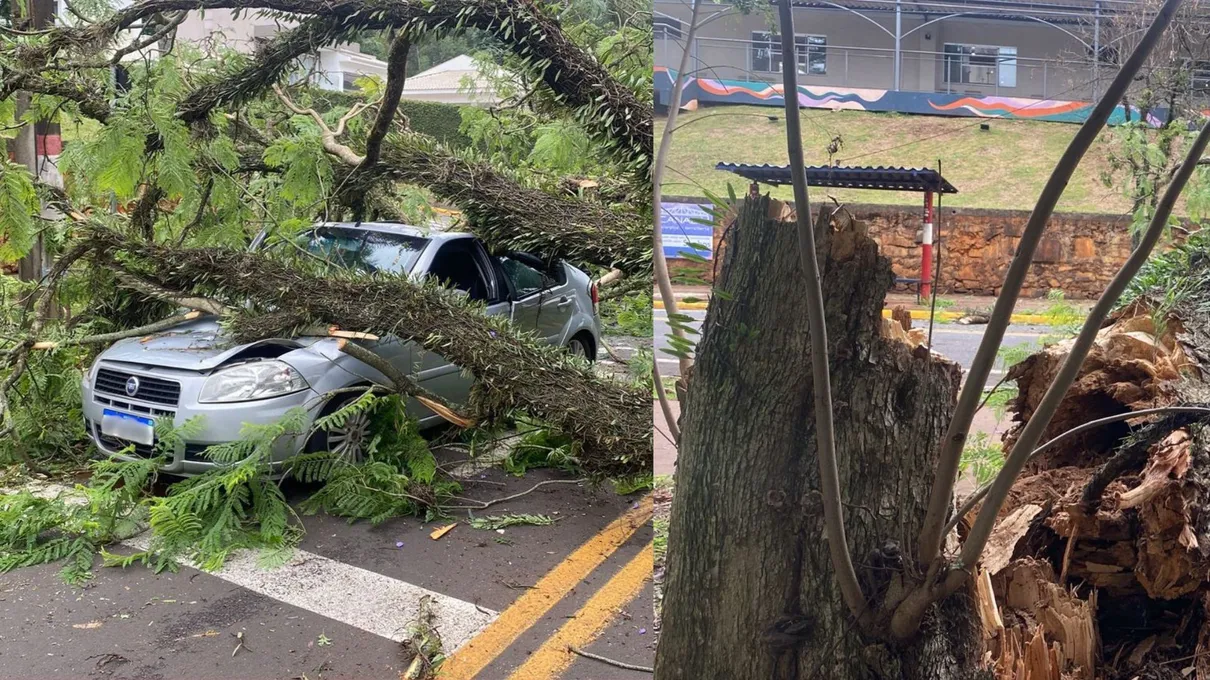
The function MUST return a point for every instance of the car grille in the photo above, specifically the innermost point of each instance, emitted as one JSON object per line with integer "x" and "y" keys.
{"x": 133, "y": 408}
{"x": 155, "y": 390}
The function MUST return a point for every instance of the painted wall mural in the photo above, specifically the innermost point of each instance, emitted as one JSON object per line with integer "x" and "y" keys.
{"x": 700, "y": 91}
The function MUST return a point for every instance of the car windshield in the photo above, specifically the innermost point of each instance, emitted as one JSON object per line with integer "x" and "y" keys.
{"x": 365, "y": 250}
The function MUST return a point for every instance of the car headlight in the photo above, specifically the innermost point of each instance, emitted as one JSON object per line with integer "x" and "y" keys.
{"x": 259, "y": 380}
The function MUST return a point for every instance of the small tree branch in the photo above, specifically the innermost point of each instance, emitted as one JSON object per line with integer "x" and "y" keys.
{"x": 829, "y": 474}
{"x": 329, "y": 135}
{"x": 127, "y": 280}
{"x": 929, "y": 544}
{"x": 106, "y": 338}
{"x": 662, "y": 396}
{"x": 147, "y": 41}
{"x": 663, "y": 280}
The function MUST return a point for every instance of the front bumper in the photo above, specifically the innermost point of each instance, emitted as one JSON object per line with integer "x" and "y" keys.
{"x": 217, "y": 423}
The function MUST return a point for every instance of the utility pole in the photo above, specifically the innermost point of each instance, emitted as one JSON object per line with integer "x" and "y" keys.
{"x": 40, "y": 139}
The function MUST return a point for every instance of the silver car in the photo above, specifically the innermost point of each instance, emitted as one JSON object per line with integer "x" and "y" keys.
{"x": 192, "y": 370}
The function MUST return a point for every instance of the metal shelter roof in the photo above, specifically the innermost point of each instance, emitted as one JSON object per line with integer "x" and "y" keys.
{"x": 890, "y": 179}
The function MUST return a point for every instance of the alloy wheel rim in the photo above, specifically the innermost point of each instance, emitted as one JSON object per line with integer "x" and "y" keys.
{"x": 348, "y": 441}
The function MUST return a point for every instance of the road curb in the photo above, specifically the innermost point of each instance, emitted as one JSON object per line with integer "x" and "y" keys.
{"x": 942, "y": 316}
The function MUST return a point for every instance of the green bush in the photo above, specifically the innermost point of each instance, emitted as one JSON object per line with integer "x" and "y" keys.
{"x": 436, "y": 119}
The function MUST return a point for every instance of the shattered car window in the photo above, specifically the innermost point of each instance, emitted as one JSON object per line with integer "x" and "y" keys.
{"x": 368, "y": 251}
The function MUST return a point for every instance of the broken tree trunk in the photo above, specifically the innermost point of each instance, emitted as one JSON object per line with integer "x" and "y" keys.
{"x": 1103, "y": 549}
{"x": 750, "y": 590}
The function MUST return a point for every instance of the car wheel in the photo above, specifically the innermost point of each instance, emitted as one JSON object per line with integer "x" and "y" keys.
{"x": 579, "y": 347}
{"x": 348, "y": 440}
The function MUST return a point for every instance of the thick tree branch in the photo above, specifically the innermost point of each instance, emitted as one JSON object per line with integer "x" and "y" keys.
{"x": 503, "y": 211}
{"x": 397, "y": 66}
{"x": 929, "y": 544}
{"x": 87, "y": 97}
{"x": 607, "y": 108}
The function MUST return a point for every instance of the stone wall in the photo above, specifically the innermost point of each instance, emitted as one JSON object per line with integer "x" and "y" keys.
{"x": 1078, "y": 254}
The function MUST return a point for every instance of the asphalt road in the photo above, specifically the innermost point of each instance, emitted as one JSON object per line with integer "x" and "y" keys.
{"x": 951, "y": 340}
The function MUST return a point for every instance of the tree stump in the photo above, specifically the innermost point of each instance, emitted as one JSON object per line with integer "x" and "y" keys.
{"x": 750, "y": 590}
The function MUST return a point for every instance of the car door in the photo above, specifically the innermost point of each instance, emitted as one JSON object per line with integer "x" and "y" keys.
{"x": 461, "y": 264}
{"x": 542, "y": 300}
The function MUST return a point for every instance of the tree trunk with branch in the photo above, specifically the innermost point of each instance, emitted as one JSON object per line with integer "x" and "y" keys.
{"x": 750, "y": 589}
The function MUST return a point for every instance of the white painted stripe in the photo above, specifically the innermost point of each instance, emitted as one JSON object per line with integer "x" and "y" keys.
{"x": 360, "y": 598}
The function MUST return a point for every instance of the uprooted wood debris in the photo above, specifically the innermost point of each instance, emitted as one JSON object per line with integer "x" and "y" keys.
{"x": 1099, "y": 565}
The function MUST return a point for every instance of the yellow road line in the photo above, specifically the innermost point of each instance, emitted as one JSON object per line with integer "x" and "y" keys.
{"x": 553, "y": 657}
{"x": 476, "y": 654}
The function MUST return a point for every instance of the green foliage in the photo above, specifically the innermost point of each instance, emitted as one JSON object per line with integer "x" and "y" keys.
{"x": 493, "y": 522}
{"x": 981, "y": 457}
{"x": 633, "y": 484}
{"x": 18, "y": 206}
{"x": 628, "y": 315}
{"x": 441, "y": 121}
{"x": 1062, "y": 314}
{"x": 540, "y": 447}
{"x": 999, "y": 399}
{"x": 1176, "y": 277}
{"x": 36, "y": 529}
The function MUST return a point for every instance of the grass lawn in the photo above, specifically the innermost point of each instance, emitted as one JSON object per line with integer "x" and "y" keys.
{"x": 1002, "y": 168}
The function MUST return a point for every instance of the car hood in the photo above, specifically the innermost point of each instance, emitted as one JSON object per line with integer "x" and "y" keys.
{"x": 196, "y": 345}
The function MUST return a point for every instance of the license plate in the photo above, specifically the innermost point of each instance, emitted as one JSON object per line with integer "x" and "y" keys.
{"x": 127, "y": 426}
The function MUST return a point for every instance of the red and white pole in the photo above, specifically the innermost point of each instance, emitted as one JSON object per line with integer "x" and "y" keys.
{"x": 926, "y": 248}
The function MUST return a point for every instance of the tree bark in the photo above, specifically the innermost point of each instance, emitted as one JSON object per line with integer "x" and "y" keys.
{"x": 750, "y": 587}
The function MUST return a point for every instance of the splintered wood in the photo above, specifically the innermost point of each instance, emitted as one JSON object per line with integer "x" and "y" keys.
{"x": 1114, "y": 585}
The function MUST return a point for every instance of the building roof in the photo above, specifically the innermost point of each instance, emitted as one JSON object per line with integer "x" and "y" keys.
{"x": 868, "y": 177}
{"x": 447, "y": 77}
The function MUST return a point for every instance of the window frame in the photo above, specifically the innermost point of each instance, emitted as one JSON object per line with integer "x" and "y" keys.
{"x": 807, "y": 53}
{"x": 963, "y": 62}
{"x": 482, "y": 262}
{"x": 672, "y": 28}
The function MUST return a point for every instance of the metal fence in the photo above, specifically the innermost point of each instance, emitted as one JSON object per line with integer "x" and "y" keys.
{"x": 874, "y": 67}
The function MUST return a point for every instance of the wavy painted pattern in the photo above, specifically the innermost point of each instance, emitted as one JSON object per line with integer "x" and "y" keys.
{"x": 720, "y": 91}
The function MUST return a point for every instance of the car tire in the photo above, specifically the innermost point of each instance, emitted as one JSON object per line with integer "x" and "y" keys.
{"x": 348, "y": 440}
{"x": 581, "y": 346}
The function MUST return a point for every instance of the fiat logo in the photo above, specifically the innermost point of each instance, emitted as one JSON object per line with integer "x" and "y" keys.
{"x": 132, "y": 386}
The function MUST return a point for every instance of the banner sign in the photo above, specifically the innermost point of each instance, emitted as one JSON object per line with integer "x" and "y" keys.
{"x": 683, "y": 231}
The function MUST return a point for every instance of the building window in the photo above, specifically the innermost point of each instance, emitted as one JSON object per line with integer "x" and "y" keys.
{"x": 981, "y": 65}
{"x": 667, "y": 28}
{"x": 349, "y": 81}
{"x": 812, "y": 51}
